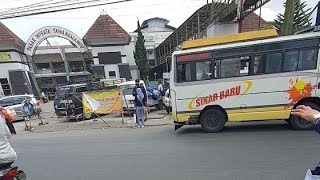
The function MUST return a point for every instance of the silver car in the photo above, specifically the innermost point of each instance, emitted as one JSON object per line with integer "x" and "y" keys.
{"x": 14, "y": 103}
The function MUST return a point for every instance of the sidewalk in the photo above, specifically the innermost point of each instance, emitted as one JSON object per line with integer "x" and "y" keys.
{"x": 155, "y": 118}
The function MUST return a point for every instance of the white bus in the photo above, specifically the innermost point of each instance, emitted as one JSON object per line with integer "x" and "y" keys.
{"x": 246, "y": 81}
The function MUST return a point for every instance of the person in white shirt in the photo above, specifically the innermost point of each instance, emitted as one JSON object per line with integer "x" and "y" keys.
{"x": 160, "y": 87}
{"x": 7, "y": 153}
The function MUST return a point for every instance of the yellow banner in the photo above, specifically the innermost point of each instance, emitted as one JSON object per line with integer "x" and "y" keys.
{"x": 5, "y": 56}
{"x": 109, "y": 102}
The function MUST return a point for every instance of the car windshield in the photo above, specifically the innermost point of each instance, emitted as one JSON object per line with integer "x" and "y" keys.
{"x": 14, "y": 100}
{"x": 64, "y": 91}
{"x": 127, "y": 89}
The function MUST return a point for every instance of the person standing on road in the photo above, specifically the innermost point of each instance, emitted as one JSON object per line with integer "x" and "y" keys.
{"x": 160, "y": 87}
{"x": 28, "y": 109}
{"x": 140, "y": 103}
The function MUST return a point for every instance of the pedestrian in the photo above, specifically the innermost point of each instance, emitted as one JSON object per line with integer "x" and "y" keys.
{"x": 140, "y": 103}
{"x": 43, "y": 97}
{"x": 160, "y": 87}
{"x": 28, "y": 109}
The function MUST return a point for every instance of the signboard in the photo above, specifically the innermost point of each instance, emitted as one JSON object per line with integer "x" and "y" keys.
{"x": 5, "y": 56}
{"x": 109, "y": 102}
{"x": 52, "y": 31}
{"x": 166, "y": 75}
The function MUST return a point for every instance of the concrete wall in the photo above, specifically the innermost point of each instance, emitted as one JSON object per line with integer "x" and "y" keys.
{"x": 127, "y": 57}
{"x": 111, "y": 67}
{"x": 121, "y": 49}
{"x": 222, "y": 29}
{"x": 53, "y": 50}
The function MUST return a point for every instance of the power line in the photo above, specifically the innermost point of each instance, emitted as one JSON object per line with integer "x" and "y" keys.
{"x": 62, "y": 3}
{"x": 120, "y": 15}
{"x": 64, "y": 9}
{"x": 39, "y": 4}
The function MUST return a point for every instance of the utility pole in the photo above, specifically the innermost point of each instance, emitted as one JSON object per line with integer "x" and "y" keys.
{"x": 288, "y": 18}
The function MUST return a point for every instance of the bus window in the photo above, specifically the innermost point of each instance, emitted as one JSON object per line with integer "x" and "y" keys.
{"x": 244, "y": 65}
{"x": 258, "y": 67}
{"x": 291, "y": 61}
{"x": 230, "y": 68}
{"x": 184, "y": 72}
{"x": 235, "y": 67}
{"x": 216, "y": 68}
{"x": 203, "y": 70}
{"x": 273, "y": 62}
{"x": 308, "y": 59}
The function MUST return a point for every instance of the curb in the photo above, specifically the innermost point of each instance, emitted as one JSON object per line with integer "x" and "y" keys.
{"x": 78, "y": 129}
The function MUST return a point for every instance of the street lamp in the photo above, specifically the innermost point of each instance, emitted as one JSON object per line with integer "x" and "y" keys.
{"x": 155, "y": 76}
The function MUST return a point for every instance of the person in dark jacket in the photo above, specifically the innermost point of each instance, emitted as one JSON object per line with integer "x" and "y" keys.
{"x": 140, "y": 103}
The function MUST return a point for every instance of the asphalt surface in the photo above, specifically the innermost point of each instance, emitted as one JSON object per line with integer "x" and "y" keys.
{"x": 248, "y": 151}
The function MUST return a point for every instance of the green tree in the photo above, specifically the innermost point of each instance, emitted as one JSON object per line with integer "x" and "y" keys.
{"x": 265, "y": 27}
{"x": 140, "y": 55}
{"x": 301, "y": 19}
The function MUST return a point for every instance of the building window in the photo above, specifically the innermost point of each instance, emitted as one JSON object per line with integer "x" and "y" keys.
{"x": 61, "y": 80}
{"x": 112, "y": 74}
{"x": 150, "y": 51}
{"x": 58, "y": 67}
{"x": 152, "y": 62}
{"x": 76, "y": 66}
{"x": 5, "y": 87}
{"x": 43, "y": 68}
{"x": 109, "y": 58}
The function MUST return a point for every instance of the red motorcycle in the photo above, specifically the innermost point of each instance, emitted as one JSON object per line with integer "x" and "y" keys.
{"x": 11, "y": 173}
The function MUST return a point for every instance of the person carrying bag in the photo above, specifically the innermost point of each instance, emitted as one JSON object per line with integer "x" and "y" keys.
{"x": 140, "y": 103}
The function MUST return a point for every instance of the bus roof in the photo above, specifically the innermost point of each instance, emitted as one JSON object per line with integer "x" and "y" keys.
{"x": 246, "y": 36}
{"x": 248, "y": 43}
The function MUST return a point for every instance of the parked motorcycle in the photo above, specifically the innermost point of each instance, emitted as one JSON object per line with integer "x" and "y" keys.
{"x": 12, "y": 173}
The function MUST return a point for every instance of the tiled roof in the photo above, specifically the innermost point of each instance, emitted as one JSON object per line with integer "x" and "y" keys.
{"x": 251, "y": 22}
{"x": 9, "y": 40}
{"x": 106, "y": 31}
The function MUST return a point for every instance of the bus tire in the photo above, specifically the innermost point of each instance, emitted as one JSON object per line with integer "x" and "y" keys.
{"x": 213, "y": 120}
{"x": 298, "y": 123}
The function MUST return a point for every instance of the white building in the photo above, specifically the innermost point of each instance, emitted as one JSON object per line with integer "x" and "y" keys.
{"x": 15, "y": 75}
{"x": 155, "y": 31}
{"x": 109, "y": 45}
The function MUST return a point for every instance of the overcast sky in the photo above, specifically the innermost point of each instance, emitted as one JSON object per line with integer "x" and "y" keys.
{"x": 79, "y": 21}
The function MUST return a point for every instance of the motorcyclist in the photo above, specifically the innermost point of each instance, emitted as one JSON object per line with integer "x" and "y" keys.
{"x": 7, "y": 153}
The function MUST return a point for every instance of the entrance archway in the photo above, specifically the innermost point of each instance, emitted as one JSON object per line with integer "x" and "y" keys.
{"x": 43, "y": 34}
{"x": 53, "y": 31}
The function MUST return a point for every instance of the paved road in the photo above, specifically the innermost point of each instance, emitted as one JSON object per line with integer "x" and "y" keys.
{"x": 250, "y": 151}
